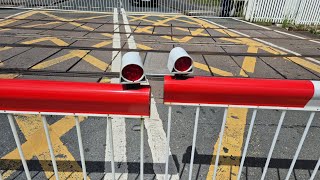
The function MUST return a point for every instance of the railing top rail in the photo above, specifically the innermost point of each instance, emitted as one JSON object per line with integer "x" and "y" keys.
{"x": 245, "y": 92}
{"x": 60, "y": 97}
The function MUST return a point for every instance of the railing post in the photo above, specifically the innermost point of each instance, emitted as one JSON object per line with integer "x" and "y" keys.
{"x": 17, "y": 140}
{"x": 141, "y": 148}
{"x": 83, "y": 163}
{"x": 53, "y": 159}
{"x": 250, "y": 10}
{"x": 168, "y": 142}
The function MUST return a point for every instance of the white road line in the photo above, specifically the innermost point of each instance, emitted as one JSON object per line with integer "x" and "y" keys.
{"x": 118, "y": 123}
{"x": 154, "y": 126}
{"x": 131, "y": 42}
{"x": 281, "y": 32}
{"x": 265, "y": 42}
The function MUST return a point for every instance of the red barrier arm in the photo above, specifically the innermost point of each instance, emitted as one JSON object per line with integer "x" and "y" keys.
{"x": 238, "y": 91}
{"x": 73, "y": 97}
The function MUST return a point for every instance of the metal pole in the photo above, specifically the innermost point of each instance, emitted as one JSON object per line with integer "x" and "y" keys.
{"x": 315, "y": 170}
{"x": 194, "y": 141}
{"x": 243, "y": 157}
{"x": 141, "y": 147}
{"x": 54, "y": 163}
{"x": 220, "y": 143}
{"x": 304, "y": 135}
{"x": 110, "y": 134}
{"x": 265, "y": 169}
{"x": 17, "y": 140}
{"x": 168, "y": 143}
{"x": 83, "y": 163}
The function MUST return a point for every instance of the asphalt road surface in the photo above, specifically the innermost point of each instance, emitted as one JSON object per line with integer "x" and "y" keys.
{"x": 66, "y": 35}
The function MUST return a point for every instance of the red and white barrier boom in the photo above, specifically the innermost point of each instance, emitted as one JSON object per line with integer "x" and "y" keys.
{"x": 74, "y": 97}
{"x": 244, "y": 92}
{"x": 241, "y": 92}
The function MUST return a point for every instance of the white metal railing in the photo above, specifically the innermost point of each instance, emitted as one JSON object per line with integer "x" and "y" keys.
{"x": 73, "y": 99}
{"x": 277, "y": 11}
{"x": 76, "y": 5}
{"x": 191, "y": 7}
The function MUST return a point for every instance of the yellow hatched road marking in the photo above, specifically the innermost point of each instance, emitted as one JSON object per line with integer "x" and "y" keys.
{"x": 104, "y": 43}
{"x": 36, "y": 145}
{"x": 249, "y": 62}
{"x": 5, "y": 48}
{"x": 212, "y": 69}
{"x": 231, "y": 145}
{"x": 55, "y": 40}
{"x": 36, "y": 25}
{"x": 51, "y": 62}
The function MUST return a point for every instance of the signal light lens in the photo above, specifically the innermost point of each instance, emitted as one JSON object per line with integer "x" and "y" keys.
{"x": 132, "y": 72}
{"x": 183, "y": 64}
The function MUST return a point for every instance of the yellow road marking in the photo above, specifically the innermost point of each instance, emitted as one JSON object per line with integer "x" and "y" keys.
{"x": 105, "y": 80}
{"x": 1, "y": 30}
{"x": 95, "y": 62}
{"x": 72, "y": 54}
{"x": 249, "y": 63}
{"x": 55, "y": 40}
{"x": 141, "y": 46}
{"x": 231, "y": 145}
{"x": 93, "y": 17}
{"x": 107, "y": 34}
{"x": 36, "y": 25}
{"x": 5, "y": 48}
{"x": 104, "y": 43}
{"x": 213, "y": 69}
{"x": 134, "y": 18}
{"x": 36, "y": 145}
{"x": 68, "y": 20}
{"x": 17, "y": 18}
{"x": 8, "y": 76}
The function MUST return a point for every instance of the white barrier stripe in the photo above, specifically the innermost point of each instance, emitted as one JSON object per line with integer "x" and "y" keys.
{"x": 194, "y": 140}
{"x": 141, "y": 148}
{"x": 304, "y": 135}
{"x": 315, "y": 100}
{"x": 216, "y": 163}
{"x": 316, "y": 168}
{"x": 83, "y": 162}
{"x": 168, "y": 142}
{"x": 53, "y": 160}
{"x": 265, "y": 169}
{"x": 110, "y": 138}
{"x": 18, "y": 143}
{"x": 243, "y": 157}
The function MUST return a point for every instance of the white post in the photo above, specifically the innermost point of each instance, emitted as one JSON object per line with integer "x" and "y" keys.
{"x": 53, "y": 159}
{"x": 17, "y": 140}
{"x": 141, "y": 148}
{"x": 168, "y": 143}
{"x": 83, "y": 163}
{"x": 194, "y": 140}
{"x": 250, "y": 10}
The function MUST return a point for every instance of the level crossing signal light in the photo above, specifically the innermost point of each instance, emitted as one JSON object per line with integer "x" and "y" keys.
{"x": 180, "y": 62}
{"x": 132, "y": 71}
